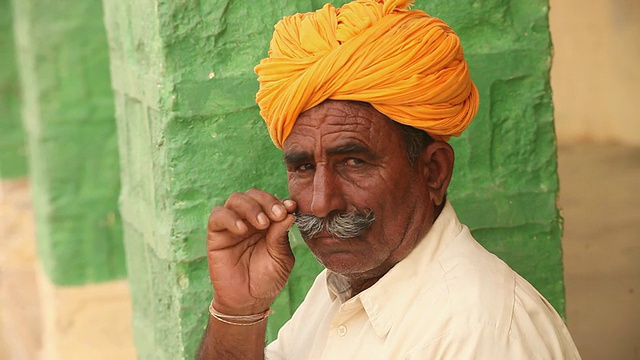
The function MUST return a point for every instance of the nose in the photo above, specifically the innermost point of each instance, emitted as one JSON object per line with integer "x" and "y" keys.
{"x": 327, "y": 193}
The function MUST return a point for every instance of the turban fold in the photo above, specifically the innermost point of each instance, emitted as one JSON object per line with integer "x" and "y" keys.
{"x": 408, "y": 65}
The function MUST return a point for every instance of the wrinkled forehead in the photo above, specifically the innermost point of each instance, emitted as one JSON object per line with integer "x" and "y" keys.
{"x": 341, "y": 126}
{"x": 338, "y": 119}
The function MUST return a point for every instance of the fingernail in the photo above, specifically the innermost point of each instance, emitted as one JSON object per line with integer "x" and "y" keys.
{"x": 262, "y": 219}
{"x": 240, "y": 225}
{"x": 289, "y": 203}
{"x": 278, "y": 210}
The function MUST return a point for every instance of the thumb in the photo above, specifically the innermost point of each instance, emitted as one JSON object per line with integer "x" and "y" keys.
{"x": 277, "y": 240}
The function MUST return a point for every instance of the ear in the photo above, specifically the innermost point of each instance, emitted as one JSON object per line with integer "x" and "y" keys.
{"x": 437, "y": 167}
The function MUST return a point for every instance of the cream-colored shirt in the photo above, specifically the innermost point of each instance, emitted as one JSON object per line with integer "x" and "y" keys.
{"x": 449, "y": 299}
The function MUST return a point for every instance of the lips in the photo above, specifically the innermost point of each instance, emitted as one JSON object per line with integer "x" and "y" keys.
{"x": 326, "y": 241}
{"x": 324, "y": 237}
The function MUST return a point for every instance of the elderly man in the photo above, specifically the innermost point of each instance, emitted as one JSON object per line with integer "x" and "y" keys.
{"x": 362, "y": 100}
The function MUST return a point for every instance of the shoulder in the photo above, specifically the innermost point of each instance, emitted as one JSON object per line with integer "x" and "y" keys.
{"x": 478, "y": 341}
{"x": 485, "y": 308}
{"x": 480, "y": 287}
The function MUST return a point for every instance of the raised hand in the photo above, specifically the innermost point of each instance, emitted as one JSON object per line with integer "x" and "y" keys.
{"x": 248, "y": 251}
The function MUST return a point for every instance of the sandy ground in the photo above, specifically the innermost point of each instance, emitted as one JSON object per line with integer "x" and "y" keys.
{"x": 19, "y": 299}
{"x": 600, "y": 202}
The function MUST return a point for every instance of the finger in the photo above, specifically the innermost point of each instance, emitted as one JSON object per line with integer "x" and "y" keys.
{"x": 272, "y": 206}
{"x": 290, "y": 205}
{"x": 223, "y": 219}
{"x": 277, "y": 240}
{"x": 248, "y": 209}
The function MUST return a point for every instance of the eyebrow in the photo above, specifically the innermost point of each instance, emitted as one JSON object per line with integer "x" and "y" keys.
{"x": 296, "y": 157}
{"x": 350, "y": 148}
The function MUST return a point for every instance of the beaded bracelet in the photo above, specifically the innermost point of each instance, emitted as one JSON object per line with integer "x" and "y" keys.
{"x": 239, "y": 320}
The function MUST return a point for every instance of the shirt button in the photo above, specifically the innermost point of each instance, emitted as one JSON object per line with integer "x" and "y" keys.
{"x": 342, "y": 330}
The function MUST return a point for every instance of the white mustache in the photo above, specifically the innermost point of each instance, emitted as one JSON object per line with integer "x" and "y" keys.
{"x": 342, "y": 226}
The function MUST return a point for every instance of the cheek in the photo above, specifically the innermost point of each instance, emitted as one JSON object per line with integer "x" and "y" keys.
{"x": 375, "y": 188}
{"x": 394, "y": 201}
{"x": 299, "y": 192}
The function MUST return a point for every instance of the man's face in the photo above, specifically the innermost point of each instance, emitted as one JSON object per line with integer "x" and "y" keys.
{"x": 347, "y": 157}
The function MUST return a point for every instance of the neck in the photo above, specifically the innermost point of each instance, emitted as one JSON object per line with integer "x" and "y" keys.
{"x": 359, "y": 285}
{"x": 362, "y": 281}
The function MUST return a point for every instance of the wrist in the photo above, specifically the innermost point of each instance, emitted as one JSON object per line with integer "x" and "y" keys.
{"x": 238, "y": 320}
{"x": 239, "y": 309}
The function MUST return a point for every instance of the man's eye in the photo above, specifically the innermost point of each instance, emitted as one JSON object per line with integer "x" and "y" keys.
{"x": 353, "y": 162}
{"x": 304, "y": 167}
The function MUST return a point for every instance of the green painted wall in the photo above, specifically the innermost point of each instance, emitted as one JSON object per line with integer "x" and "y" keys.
{"x": 505, "y": 183}
{"x": 68, "y": 115}
{"x": 13, "y": 157}
{"x": 190, "y": 134}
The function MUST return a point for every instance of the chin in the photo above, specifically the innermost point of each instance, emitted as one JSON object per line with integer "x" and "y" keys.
{"x": 346, "y": 257}
{"x": 344, "y": 264}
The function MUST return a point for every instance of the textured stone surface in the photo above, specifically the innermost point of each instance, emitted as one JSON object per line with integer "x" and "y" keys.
{"x": 190, "y": 134}
{"x": 13, "y": 162}
{"x": 69, "y": 121}
{"x": 184, "y": 88}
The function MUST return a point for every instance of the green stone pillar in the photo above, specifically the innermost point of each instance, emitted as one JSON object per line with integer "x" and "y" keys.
{"x": 505, "y": 183}
{"x": 190, "y": 134}
{"x": 68, "y": 114}
{"x": 13, "y": 159}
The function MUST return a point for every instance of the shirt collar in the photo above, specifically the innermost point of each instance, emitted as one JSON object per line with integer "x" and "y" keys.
{"x": 392, "y": 294}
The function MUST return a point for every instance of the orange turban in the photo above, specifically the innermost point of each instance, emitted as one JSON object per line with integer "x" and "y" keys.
{"x": 406, "y": 64}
